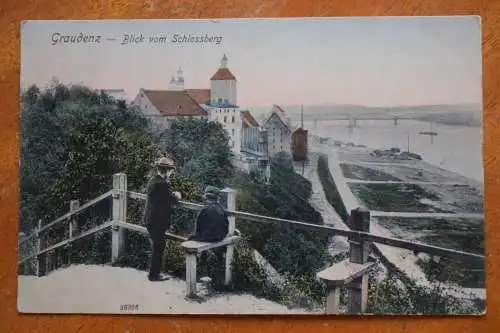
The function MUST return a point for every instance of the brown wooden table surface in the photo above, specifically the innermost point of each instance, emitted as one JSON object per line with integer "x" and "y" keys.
{"x": 13, "y": 11}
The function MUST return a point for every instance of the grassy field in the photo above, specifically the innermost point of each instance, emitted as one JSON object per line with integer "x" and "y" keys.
{"x": 458, "y": 234}
{"x": 362, "y": 173}
{"x": 396, "y": 197}
{"x": 462, "y": 198}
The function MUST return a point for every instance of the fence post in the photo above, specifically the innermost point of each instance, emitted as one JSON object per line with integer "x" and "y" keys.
{"x": 230, "y": 204}
{"x": 48, "y": 262}
{"x": 333, "y": 299}
{"x": 119, "y": 215}
{"x": 73, "y": 225}
{"x": 358, "y": 253}
{"x": 38, "y": 248}
{"x": 191, "y": 258}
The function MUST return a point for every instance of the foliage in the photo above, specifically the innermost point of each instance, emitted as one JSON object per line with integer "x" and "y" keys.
{"x": 331, "y": 192}
{"x": 201, "y": 150}
{"x": 465, "y": 273}
{"x": 289, "y": 249}
{"x": 389, "y": 296}
{"x": 283, "y": 159}
{"x": 72, "y": 141}
{"x": 249, "y": 276}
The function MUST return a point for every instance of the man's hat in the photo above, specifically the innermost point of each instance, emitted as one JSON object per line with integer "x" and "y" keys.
{"x": 212, "y": 191}
{"x": 165, "y": 162}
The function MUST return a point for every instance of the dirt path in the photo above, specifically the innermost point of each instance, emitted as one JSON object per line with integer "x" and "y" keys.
{"x": 319, "y": 202}
{"x": 103, "y": 289}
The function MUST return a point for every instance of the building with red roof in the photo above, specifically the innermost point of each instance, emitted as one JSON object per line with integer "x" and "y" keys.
{"x": 219, "y": 103}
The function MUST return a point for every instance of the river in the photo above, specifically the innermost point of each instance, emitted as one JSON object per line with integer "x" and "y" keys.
{"x": 455, "y": 148}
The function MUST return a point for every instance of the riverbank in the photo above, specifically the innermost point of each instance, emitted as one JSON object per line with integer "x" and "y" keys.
{"x": 454, "y": 148}
{"x": 464, "y": 235}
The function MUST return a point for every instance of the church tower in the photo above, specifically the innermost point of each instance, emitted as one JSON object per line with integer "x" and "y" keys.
{"x": 223, "y": 86}
{"x": 177, "y": 81}
{"x": 180, "y": 79}
{"x": 173, "y": 84}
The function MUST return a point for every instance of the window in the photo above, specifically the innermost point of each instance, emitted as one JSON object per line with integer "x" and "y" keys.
{"x": 220, "y": 100}
{"x": 232, "y": 131}
{"x": 226, "y": 101}
{"x": 232, "y": 119}
{"x": 225, "y": 119}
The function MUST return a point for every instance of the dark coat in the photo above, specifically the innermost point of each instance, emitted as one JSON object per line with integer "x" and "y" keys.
{"x": 160, "y": 202}
{"x": 212, "y": 224}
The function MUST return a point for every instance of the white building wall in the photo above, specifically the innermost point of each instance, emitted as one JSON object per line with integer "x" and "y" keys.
{"x": 231, "y": 121}
{"x": 250, "y": 138}
{"x": 150, "y": 111}
{"x": 145, "y": 105}
{"x": 223, "y": 89}
{"x": 279, "y": 137}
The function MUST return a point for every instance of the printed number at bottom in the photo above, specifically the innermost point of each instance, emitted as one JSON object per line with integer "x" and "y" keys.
{"x": 129, "y": 307}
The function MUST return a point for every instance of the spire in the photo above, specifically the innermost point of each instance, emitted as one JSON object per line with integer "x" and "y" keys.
{"x": 180, "y": 77}
{"x": 173, "y": 83}
{"x": 223, "y": 62}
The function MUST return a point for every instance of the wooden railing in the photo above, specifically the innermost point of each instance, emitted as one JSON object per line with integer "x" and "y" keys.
{"x": 351, "y": 273}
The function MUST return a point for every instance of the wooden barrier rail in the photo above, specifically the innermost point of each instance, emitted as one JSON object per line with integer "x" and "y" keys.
{"x": 351, "y": 273}
{"x": 355, "y": 234}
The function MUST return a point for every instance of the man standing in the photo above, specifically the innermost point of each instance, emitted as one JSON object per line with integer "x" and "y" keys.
{"x": 212, "y": 225}
{"x": 160, "y": 202}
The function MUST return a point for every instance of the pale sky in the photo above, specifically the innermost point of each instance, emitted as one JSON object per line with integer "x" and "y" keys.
{"x": 369, "y": 61}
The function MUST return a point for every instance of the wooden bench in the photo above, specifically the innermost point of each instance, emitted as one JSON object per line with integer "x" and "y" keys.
{"x": 353, "y": 272}
{"x": 342, "y": 274}
{"x": 191, "y": 251}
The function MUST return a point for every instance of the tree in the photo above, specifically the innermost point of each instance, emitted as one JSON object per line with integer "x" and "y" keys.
{"x": 201, "y": 150}
{"x": 72, "y": 141}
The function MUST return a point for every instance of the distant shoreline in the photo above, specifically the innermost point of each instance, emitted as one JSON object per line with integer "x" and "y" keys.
{"x": 453, "y": 118}
{"x": 451, "y": 122}
{"x": 458, "y": 115}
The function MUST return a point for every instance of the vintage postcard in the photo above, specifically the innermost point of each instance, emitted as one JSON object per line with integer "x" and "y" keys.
{"x": 252, "y": 166}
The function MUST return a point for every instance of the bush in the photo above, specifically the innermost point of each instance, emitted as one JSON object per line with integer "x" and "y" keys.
{"x": 201, "y": 150}
{"x": 390, "y": 296}
{"x": 72, "y": 141}
{"x": 331, "y": 193}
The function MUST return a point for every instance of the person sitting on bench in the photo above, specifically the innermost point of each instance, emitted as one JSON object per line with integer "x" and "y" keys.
{"x": 212, "y": 225}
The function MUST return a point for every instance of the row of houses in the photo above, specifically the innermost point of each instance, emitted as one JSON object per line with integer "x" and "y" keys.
{"x": 252, "y": 143}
